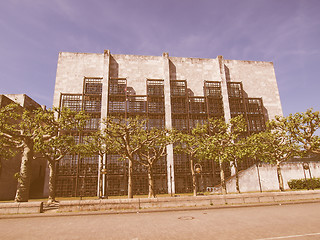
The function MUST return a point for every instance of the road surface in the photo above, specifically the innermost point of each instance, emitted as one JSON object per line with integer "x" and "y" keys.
{"x": 296, "y": 221}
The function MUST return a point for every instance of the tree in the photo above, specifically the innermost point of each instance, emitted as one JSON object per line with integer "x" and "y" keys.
{"x": 54, "y": 140}
{"x": 19, "y": 128}
{"x": 191, "y": 144}
{"x": 238, "y": 151}
{"x": 124, "y": 134}
{"x": 273, "y": 146}
{"x": 36, "y": 131}
{"x": 302, "y": 127}
{"x": 7, "y": 150}
{"x": 152, "y": 147}
{"x": 101, "y": 144}
{"x": 220, "y": 142}
{"x": 256, "y": 149}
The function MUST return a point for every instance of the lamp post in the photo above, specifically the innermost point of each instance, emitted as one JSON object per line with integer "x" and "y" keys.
{"x": 103, "y": 192}
{"x": 306, "y": 167}
{"x": 198, "y": 169}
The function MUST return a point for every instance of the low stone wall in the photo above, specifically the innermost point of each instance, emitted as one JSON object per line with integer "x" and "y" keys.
{"x": 189, "y": 201}
{"x": 23, "y": 207}
{"x": 267, "y": 175}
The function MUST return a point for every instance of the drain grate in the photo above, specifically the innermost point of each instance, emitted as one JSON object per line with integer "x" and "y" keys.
{"x": 186, "y": 218}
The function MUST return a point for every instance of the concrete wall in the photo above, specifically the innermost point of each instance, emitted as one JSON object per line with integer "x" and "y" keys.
{"x": 24, "y": 101}
{"x": 195, "y": 71}
{"x": 249, "y": 181}
{"x": 72, "y": 68}
{"x": 136, "y": 69}
{"x": 8, "y": 183}
{"x": 259, "y": 80}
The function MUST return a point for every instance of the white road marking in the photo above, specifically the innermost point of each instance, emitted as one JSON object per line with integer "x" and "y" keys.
{"x": 292, "y": 236}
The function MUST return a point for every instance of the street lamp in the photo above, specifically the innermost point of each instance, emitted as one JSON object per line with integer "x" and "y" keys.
{"x": 103, "y": 194}
{"x": 306, "y": 167}
{"x": 198, "y": 169}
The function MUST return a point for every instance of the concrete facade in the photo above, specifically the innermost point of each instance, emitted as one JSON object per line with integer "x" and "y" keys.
{"x": 239, "y": 82}
{"x": 258, "y": 78}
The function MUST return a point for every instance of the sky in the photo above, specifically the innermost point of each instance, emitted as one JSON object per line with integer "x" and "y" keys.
{"x": 285, "y": 32}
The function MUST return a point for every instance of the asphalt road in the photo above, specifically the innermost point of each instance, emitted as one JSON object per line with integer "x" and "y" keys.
{"x": 298, "y": 221}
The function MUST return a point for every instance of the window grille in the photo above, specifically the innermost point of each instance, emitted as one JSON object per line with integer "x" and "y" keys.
{"x": 254, "y": 106}
{"x": 215, "y": 107}
{"x": 117, "y": 86}
{"x": 179, "y": 105}
{"x": 197, "y": 105}
{"x": 213, "y": 89}
{"x": 182, "y": 173}
{"x": 197, "y": 120}
{"x": 139, "y": 169}
{"x": 155, "y": 105}
{"x": 117, "y": 104}
{"x": 117, "y": 185}
{"x": 178, "y": 87}
{"x": 92, "y": 103}
{"x": 93, "y": 123}
{"x": 161, "y": 183}
{"x": 68, "y": 165}
{"x": 155, "y": 87}
{"x": 156, "y": 121}
{"x": 141, "y": 184}
{"x": 236, "y": 106}
{"x": 181, "y": 163}
{"x": 115, "y": 165}
{"x": 72, "y": 101}
{"x": 234, "y": 89}
{"x": 160, "y": 167}
{"x": 183, "y": 183}
{"x": 256, "y": 123}
{"x": 77, "y": 138}
{"x": 137, "y": 104}
{"x": 65, "y": 186}
{"x": 88, "y": 186}
{"x": 89, "y": 165}
{"x": 180, "y": 122}
{"x": 93, "y": 85}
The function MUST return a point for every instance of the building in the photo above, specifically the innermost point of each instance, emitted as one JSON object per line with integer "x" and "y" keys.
{"x": 9, "y": 167}
{"x": 172, "y": 92}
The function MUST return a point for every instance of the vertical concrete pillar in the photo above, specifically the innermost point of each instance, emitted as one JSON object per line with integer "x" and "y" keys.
{"x": 168, "y": 122}
{"x": 104, "y": 111}
{"x": 224, "y": 89}
{"x": 105, "y": 81}
{"x": 225, "y": 97}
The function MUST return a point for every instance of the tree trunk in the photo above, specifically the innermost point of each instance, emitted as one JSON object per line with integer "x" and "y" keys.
{"x": 22, "y": 194}
{"x": 237, "y": 176}
{"x": 130, "y": 183}
{"x": 280, "y": 179}
{"x": 223, "y": 181}
{"x": 194, "y": 179}
{"x": 152, "y": 193}
{"x": 52, "y": 182}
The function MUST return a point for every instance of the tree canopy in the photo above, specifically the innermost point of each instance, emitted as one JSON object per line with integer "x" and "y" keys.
{"x": 35, "y": 131}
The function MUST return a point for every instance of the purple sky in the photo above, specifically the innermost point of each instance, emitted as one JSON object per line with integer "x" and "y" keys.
{"x": 286, "y": 32}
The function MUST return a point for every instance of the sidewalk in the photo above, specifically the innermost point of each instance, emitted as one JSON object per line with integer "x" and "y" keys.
{"x": 116, "y": 206}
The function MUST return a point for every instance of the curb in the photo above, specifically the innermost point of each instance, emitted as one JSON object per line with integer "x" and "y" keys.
{"x": 155, "y": 210}
{"x": 21, "y": 207}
